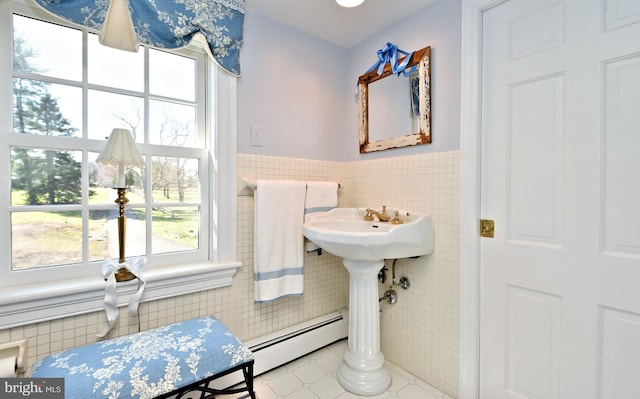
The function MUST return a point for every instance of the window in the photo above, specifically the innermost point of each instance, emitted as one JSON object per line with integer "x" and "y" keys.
{"x": 68, "y": 93}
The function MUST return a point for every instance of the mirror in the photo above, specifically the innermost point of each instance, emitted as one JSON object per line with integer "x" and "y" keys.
{"x": 395, "y": 111}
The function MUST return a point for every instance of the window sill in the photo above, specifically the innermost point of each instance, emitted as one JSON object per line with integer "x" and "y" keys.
{"x": 36, "y": 303}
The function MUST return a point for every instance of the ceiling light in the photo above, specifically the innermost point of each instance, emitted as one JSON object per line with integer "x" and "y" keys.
{"x": 349, "y": 3}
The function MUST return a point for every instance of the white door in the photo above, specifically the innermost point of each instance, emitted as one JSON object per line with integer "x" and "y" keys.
{"x": 560, "y": 281}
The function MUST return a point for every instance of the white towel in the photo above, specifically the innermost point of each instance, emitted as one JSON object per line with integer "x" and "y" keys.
{"x": 322, "y": 196}
{"x": 278, "y": 252}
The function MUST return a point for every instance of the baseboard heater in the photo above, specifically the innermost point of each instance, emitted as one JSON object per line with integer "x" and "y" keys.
{"x": 282, "y": 347}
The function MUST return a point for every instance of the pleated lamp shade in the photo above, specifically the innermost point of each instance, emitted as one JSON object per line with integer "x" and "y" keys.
{"x": 120, "y": 150}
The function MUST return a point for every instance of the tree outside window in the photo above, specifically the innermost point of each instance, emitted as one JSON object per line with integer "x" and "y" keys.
{"x": 60, "y": 198}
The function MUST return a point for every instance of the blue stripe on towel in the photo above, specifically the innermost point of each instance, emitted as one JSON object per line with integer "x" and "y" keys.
{"x": 318, "y": 209}
{"x": 280, "y": 297}
{"x": 294, "y": 271}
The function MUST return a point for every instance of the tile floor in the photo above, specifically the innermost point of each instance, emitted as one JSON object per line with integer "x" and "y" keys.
{"x": 314, "y": 377}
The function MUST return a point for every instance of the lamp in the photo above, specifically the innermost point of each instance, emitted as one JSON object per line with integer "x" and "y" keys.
{"x": 117, "y": 29}
{"x": 349, "y": 3}
{"x": 121, "y": 151}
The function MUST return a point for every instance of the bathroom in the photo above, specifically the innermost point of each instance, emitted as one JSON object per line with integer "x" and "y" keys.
{"x": 319, "y": 141}
{"x": 300, "y": 90}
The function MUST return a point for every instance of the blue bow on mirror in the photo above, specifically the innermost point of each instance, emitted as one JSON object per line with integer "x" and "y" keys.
{"x": 389, "y": 55}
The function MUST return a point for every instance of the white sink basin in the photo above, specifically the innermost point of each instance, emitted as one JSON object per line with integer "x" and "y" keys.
{"x": 364, "y": 246}
{"x": 344, "y": 233}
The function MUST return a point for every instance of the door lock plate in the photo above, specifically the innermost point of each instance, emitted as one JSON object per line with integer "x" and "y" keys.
{"x": 486, "y": 228}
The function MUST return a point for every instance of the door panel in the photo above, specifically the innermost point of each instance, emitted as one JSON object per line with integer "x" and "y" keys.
{"x": 533, "y": 343}
{"x": 560, "y": 296}
{"x": 621, "y": 161}
{"x": 534, "y": 155}
{"x": 618, "y": 368}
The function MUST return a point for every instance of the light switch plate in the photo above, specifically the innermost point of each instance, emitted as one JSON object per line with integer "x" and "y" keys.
{"x": 257, "y": 135}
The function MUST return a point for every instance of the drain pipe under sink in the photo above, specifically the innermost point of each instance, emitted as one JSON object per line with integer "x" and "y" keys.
{"x": 391, "y": 296}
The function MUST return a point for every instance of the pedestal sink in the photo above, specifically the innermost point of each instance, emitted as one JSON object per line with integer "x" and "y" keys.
{"x": 364, "y": 245}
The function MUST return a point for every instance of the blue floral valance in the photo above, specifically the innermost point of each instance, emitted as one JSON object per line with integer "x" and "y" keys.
{"x": 169, "y": 23}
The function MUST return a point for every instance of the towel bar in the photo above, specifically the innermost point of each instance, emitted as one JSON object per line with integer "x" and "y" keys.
{"x": 252, "y": 184}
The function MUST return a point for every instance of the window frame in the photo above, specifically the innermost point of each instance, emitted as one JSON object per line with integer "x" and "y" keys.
{"x": 34, "y": 302}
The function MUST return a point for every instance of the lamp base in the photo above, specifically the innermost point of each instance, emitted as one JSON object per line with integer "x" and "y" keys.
{"x": 123, "y": 274}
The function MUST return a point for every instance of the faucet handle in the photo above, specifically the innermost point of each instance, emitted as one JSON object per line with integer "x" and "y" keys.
{"x": 396, "y": 219}
{"x": 368, "y": 215}
{"x": 384, "y": 210}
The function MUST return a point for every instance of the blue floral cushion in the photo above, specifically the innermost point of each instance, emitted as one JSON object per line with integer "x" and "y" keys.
{"x": 146, "y": 364}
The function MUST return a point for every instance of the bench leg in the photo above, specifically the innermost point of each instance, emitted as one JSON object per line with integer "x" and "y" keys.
{"x": 248, "y": 379}
{"x": 210, "y": 393}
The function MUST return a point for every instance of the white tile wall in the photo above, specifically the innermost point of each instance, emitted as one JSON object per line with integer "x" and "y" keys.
{"x": 419, "y": 333}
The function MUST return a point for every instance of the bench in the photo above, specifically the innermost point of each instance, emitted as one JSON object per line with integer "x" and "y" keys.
{"x": 163, "y": 362}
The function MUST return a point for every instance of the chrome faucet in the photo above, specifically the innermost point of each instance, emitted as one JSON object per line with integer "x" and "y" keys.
{"x": 382, "y": 216}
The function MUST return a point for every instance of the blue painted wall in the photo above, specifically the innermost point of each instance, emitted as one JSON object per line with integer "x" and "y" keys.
{"x": 300, "y": 89}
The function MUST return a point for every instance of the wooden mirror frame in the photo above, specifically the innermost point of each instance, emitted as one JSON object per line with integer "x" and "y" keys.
{"x": 422, "y": 58}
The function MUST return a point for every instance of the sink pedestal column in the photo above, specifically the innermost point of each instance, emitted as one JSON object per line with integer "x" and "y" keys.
{"x": 362, "y": 370}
